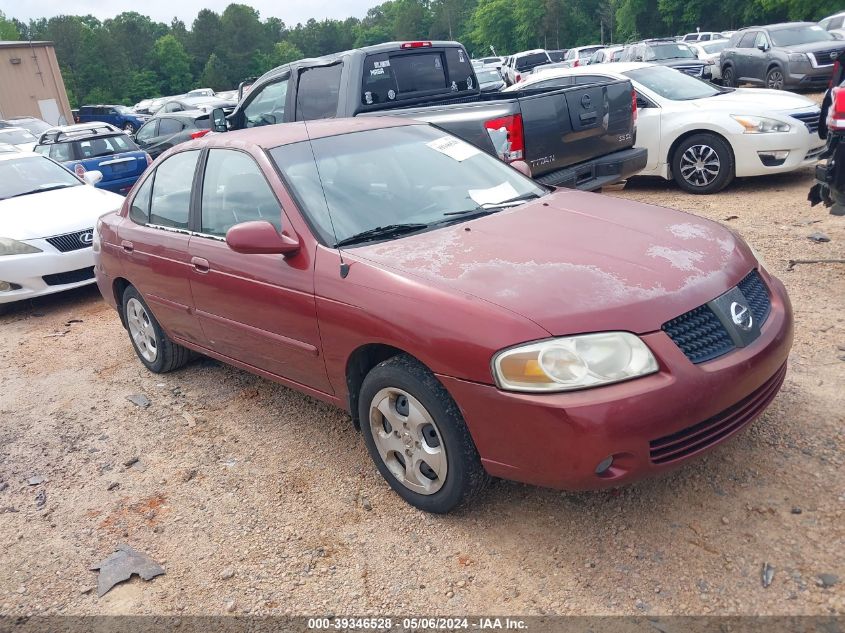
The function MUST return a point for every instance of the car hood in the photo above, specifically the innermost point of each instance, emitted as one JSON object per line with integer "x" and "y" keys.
{"x": 55, "y": 212}
{"x": 814, "y": 47}
{"x": 577, "y": 262}
{"x": 681, "y": 61}
{"x": 755, "y": 100}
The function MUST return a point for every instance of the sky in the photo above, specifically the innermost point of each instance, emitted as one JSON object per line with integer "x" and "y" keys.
{"x": 186, "y": 10}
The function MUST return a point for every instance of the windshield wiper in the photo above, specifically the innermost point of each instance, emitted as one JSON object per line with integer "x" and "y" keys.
{"x": 41, "y": 190}
{"x": 381, "y": 232}
{"x": 521, "y": 198}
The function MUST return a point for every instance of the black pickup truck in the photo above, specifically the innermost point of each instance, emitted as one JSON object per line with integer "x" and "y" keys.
{"x": 580, "y": 137}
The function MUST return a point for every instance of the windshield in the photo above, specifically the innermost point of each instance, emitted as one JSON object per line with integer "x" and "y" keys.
{"x": 529, "y": 61}
{"x": 36, "y": 126}
{"x": 31, "y": 174}
{"x": 16, "y": 137}
{"x": 715, "y": 47}
{"x": 487, "y": 76}
{"x": 672, "y": 84}
{"x": 123, "y": 109}
{"x": 105, "y": 146}
{"x": 668, "y": 51}
{"x": 584, "y": 53}
{"x": 412, "y": 174}
{"x": 800, "y": 35}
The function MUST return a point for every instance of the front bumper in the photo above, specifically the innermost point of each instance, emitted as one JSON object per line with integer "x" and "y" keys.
{"x": 45, "y": 273}
{"x": 557, "y": 440}
{"x": 598, "y": 172}
{"x": 804, "y": 148}
{"x": 805, "y": 76}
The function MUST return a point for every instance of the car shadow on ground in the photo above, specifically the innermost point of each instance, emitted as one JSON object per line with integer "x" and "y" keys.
{"x": 749, "y": 185}
{"x": 68, "y": 301}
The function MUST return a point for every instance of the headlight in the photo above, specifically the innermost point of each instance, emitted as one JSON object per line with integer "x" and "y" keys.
{"x": 573, "y": 362}
{"x": 13, "y": 247}
{"x": 760, "y": 124}
{"x": 798, "y": 57}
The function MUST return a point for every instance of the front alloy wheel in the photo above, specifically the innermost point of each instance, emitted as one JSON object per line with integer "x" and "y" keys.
{"x": 703, "y": 164}
{"x": 129, "y": 128}
{"x": 774, "y": 79}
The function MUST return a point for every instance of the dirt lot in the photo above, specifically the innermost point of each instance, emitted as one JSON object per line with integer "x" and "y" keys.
{"x": 260, "y": 500}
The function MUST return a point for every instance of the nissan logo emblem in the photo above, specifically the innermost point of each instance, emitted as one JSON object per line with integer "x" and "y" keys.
{"x": 87, "y": 238}
{"x": 741, "y": 316}
{"x": 586, "y": 101}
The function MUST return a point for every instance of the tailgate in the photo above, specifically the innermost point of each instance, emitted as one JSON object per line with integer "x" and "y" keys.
{"x": 571, "y": 125}
{"x": 119, "y": 166}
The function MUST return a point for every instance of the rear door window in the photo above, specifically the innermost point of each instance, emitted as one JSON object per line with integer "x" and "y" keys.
{"x": 318, "y": 93}
{"x": 139, "y": 212}
{"x": 171, "y": 193}
{"x": 170, "y": 126}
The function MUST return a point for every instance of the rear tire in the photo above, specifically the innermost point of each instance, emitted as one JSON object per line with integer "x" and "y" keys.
{"x": 703, "y": 164}
{"x": 153, "y": 347}
{"x": 129, "y": 128}
{"x": 408, "y": 417}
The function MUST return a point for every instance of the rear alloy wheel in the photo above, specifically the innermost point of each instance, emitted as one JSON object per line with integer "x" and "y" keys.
{"x": 728, "y": 79}
{"x": 155, "y": 349}
{"x": 774, "y": 79}
{"x": 703, "y": 164}
{"x": 417, "y": 437}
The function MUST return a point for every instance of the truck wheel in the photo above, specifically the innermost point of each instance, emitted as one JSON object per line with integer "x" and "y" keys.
{"x": 774, "y": 79}
{"x": 728, "y": 78}
{"x": 417, "y": 437}
{"x": 702, "y": 164}
{"x": 155, "y": 349}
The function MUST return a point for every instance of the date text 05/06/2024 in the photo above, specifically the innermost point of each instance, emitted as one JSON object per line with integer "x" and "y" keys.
{"x": 417, "y": 623}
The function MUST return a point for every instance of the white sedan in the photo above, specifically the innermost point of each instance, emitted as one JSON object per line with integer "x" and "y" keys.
{"x": 20, "y": 137}
{"x": 702, "y": 135}
{"x": 47, "y": 218}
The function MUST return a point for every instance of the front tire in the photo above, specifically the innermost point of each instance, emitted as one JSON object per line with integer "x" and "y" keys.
{"x": 703, "y": 164}
{"x": 153, "y": 347}
{"x": 774, "y": 79}
{"x": 417, "y": 437}
{"x": 129, "y": 128}
{"x": 728, "y": 77}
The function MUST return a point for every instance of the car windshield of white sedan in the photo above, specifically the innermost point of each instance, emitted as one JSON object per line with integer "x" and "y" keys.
{"x": 16, "y": 137}
{"x": 715, "y": 47}
{"x": 22, "y": 176}
{"x": 383, "y": 183}
{"x": 668, "y": 51}
{"x": 671, "y": 84}
{"x": 800, "y": 35}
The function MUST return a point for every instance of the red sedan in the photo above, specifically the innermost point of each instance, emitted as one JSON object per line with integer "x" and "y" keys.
{"x": 473, "y": 322}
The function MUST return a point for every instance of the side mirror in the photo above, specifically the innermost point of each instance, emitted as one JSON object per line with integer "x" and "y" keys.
{"x": 762, "y": 46}
{"x": 259, "y": 237}
{"x": 837, "y": 35}
{"x": 92, "y": 177}
{"x": 218, "y": 120}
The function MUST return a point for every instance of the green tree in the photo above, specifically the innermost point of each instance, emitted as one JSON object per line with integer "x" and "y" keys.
{"x": 142, "y": 84}
{"x": 215, "y": 75}
{"x": 8, "y": 29}
{"x": 173, "y": 65}
{"x": 204, "y": 38}
{"x": 242, "y": 34}
{"x": 494, "y": 24}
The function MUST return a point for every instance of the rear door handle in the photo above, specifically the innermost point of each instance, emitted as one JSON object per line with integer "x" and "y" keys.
{"x": 127, "y": 246}
{"x": 200, "y": 264}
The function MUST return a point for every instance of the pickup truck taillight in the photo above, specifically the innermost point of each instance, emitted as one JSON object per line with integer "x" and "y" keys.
{"x": 634, "y": 106}
{"x": 517, "y": 78}
{"x": 199, "y": 133}
{"x": 836, "y": 114}
{"x": 507, "y": 136}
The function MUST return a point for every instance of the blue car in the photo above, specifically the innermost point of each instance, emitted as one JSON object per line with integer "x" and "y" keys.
{"x": 96, "y": 146}
{"x": 116, "y": 115}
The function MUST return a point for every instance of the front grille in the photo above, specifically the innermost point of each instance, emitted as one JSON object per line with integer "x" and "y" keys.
{"x": 824, "y": 58}
{"x": 704, "y": 434}
{"x": 71, "y": 241}
{"x": 69, "y": 277}
{"x": 700, "y": 334}
{"x": 810, "y": 119}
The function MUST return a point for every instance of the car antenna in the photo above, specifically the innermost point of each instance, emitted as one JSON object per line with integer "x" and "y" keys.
{"x": 344, "y": 267}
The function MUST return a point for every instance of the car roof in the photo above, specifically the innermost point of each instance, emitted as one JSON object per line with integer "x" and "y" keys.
{"x": 779, "y": 26}
{"x": 271, "y": 136}
{"x": 616, "y": 69}
{"x": 78, "y": 132}
{"x": 14, "y": 129}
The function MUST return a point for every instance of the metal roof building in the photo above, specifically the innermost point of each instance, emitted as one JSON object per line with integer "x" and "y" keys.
{"x": 31, "y": 83}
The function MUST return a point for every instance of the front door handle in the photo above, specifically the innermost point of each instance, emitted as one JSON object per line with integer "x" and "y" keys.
{"x": 200, "y": 264}
{"x": 127, "y": 246}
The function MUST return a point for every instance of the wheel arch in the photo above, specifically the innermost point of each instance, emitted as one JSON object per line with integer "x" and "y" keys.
{"x": 358, "y": 365}
{"x": 119, "y": 286}
{"x": 670, "y": 155}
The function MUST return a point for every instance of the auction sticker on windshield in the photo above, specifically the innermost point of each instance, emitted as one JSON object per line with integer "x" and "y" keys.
{"x": 493, "y": 195}
{"x": 454, "y": 148}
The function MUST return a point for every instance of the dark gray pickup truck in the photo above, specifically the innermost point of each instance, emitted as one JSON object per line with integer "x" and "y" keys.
{"x": 580, "y": 137}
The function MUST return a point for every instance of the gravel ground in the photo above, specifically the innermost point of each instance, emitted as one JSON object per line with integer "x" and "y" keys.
{"x": 257, "y": 499}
